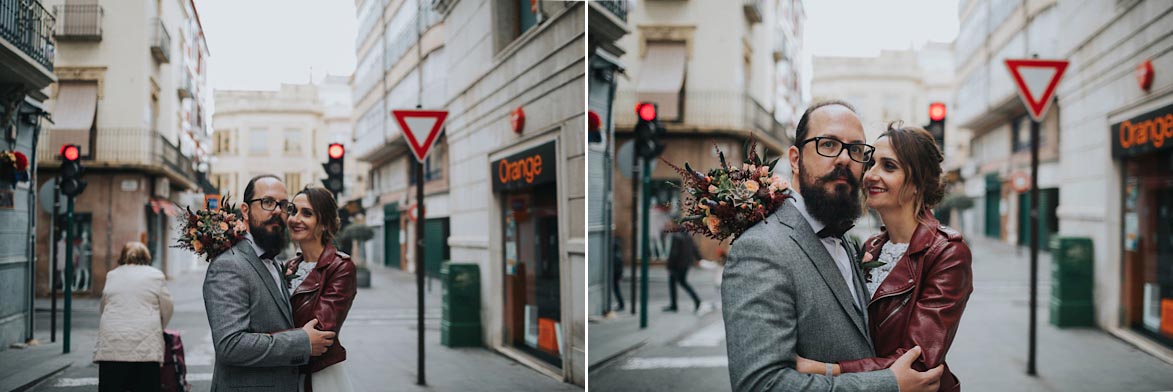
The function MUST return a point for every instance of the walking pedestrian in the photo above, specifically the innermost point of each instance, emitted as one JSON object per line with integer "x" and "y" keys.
{"x": 682, "y": 253}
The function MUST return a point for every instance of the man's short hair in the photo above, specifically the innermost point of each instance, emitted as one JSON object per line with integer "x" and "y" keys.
{"x": 250, "y": 189}
{"x": 803, "y": 123}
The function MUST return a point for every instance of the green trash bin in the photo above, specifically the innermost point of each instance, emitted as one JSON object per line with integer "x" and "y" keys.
{"x": 1072, "y": 278}
{"x": 460, "y": 324}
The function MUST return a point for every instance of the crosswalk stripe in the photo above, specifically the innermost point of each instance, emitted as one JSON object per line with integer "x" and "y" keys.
{"x": 710, "y": 336}
{"x": 676, "y": 363}
{"x": 91, "y": 381}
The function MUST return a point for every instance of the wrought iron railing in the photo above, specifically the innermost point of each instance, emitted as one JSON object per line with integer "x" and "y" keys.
{"x": 160, "y": 41}
{"x": 711, "y": 110}
{"x": 29, "y": 27}
{"x": 617, "y": 8}
{"x": 130, "y": 146}
{"x": 79, "y": 21}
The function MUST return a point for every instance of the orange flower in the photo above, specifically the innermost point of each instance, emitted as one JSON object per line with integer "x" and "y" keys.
{"x": 224, "y": 226}
{"x": 751, "y": 185}
{"x": 197, "y": 246}
{"x": 712, "y": 221}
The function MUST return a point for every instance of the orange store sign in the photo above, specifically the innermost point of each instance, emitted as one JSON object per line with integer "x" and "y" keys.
{"x": 1149, "y": 132}
{"x": 525, "y": 169}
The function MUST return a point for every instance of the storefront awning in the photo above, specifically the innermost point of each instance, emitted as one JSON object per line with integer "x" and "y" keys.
{"x": 662, "y": 77}
{"x": 74, "y": 115}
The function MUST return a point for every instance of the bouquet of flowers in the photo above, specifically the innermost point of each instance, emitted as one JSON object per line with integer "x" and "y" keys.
{"x": 727, "y": 201}
{"x": 13, "y": 167}
{"x": 209, "y": 233}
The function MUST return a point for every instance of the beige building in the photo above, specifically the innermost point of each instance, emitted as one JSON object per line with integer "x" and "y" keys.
{"x": 132, "y": 94}
{"x": 713, "y": 69}
{"x": 284, "y": 133}
{"x": 483, "y": 61}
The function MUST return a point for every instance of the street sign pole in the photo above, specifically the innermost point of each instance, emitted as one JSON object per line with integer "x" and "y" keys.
{"x": 1036, "y": 81}
{"x": 420, "y": 141}
{"x": 68, "y": 281}
{"x": 419, "y": 266}
{"x": 1034, "y": 243}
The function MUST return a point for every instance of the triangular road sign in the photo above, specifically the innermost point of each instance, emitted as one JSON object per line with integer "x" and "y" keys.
{"x": 421, "y": 128}
{"x": 1036, "y": 80}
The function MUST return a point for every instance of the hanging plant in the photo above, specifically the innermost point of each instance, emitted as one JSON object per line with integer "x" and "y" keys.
{"x": 13, "y": 167}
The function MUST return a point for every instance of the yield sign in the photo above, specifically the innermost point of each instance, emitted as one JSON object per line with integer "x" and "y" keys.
{"x": 1036, "y": 80}
{"x": 420, "y": 128}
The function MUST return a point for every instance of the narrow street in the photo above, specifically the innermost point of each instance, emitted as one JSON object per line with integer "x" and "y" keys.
{"x": 379, "y": 335}
{"x": 687, "y": 352}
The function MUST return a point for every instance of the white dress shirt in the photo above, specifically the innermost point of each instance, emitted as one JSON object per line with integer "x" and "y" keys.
{"x": 834, "y": 247}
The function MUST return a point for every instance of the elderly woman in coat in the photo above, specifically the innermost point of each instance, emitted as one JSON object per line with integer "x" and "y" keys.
{"x": 135, "y": 307}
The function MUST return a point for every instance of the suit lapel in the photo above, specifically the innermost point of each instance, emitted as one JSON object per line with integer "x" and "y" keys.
{"x": 267, "y": 279}
{"x": 810, "y": 244}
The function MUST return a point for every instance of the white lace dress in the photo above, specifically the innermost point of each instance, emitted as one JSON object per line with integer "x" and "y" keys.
{"x": 334, "y": 377}
{"x": 890, "y": 253}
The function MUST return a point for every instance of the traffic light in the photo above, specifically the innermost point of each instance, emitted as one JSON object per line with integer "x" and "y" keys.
{"x": 71, "y": 171}
{"x": 333, "y": 181}
{"x": 936, "y": 125}
{"x": 648, "y": 131}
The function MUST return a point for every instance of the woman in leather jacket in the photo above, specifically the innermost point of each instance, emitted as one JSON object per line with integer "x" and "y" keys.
{"x": 918, "y": 272}
{"x": 322, "y": 283}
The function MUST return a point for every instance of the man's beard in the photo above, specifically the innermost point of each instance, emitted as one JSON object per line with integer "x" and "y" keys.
{"x": 270, "y": 241}
{"x": 831, "y": 208}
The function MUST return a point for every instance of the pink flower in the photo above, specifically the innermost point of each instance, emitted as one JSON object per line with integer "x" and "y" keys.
{"x": 712, "y": 189}
{"x": 713, "y": 222}
{"x": 867, "y": 257}
{"x": 777, "y": 184}
{"x": 763, "y": 171}
{"x": 224, "y": 226}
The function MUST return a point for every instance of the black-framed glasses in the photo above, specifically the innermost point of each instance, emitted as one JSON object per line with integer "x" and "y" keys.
{"x": 270, "y": 204}
{"x": 831, "y": 148}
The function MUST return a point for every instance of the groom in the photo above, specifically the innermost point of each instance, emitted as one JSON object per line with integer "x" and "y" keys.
{"x": 246, "y": 299}
{"x": 792, "y": 285}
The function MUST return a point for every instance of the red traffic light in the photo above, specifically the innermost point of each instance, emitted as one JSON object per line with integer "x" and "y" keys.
{"x": 70, "y": 152}
{"x": 336, "y": 150}
{"x": 646, "y": 111}
{"x": 937, "y": 111}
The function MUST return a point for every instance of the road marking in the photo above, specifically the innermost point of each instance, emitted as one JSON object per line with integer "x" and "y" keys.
{"x": 91, "y": 381}
{"x": 676, "y": 363}
{"x": 710, "y": 336}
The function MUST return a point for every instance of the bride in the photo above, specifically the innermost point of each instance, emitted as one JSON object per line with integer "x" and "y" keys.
{"x": 321, "y": 281}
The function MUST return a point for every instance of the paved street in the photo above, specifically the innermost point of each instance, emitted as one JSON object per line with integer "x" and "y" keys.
{"x": 686, "y": 352}
{"x": 379, "y": 334}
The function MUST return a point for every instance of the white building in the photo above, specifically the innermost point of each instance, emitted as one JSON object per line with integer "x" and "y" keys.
{"x": 285, "y": 133}
{"x": 1116, "y": 160}
{"x": 131, "y": 92}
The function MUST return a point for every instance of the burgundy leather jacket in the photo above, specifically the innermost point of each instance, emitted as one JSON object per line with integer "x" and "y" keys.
{"x": 326, "y": 294}
{"x": 920, "y": 302}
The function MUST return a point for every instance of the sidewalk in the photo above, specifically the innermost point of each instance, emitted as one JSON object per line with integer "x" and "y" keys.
{"x": 990, "y": 351}
{"x": 380, "y": 337}
{"x": 610, "y": 338}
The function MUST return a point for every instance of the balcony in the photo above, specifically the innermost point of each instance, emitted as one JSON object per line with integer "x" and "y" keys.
{"x": 27, "y": 28}
{"x": 80, "y": 22}
{"x": 160, "y": 41}
{"x": 132, "y": 148}
{"x": 616, "y": 7}
{"x": 713, "y": 111}
{"x": 186, "y": 88}
{"x": 753, "y": 10}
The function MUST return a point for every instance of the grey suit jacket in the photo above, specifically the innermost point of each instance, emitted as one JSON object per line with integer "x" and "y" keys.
{"x": 246, "y": 309}
{"x": 783, "y": 296}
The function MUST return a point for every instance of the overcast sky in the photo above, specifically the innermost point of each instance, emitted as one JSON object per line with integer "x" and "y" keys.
{"x": 259, "y": 44}
{"x": 862, "y": 27}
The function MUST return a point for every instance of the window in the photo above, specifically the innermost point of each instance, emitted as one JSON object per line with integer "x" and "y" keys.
{"x": 293, "y": 182}
{"x": 293, "y": 142}
{"x": 513, "y": 18}
{"x": 258, "y": 141}
{"x": 223, "y": 142}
